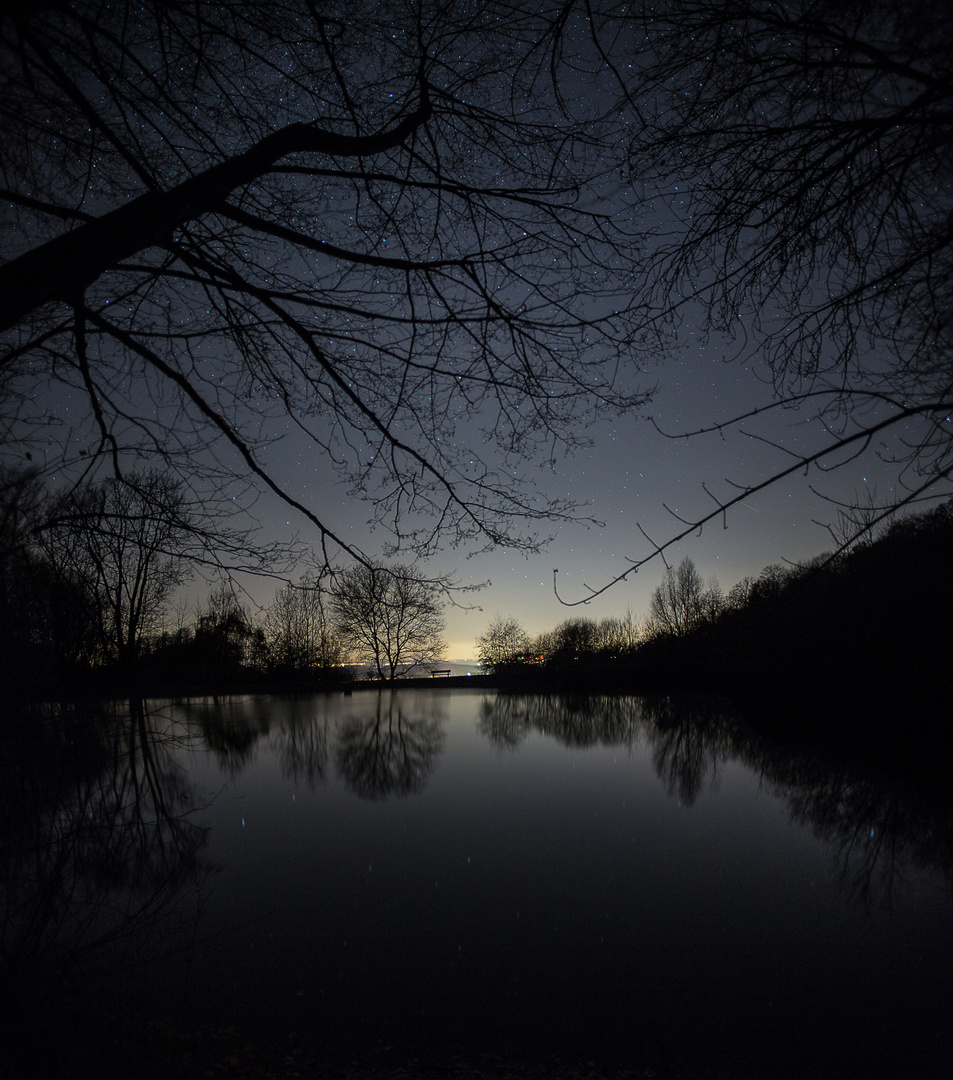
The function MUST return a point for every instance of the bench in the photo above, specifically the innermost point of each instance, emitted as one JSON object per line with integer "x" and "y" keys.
{"x": 434, "y": 672}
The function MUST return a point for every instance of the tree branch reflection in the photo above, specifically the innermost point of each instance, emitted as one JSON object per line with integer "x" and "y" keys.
{"x": 879, "y": 829}
{"x": 302, "y": 741}
{"x": 690, "y": 739}
{"x": 576, "y": 721}
{"x": 879, "y": 825}
{"x": 97, "y": 843}
{"x": 231, "y": 727}
{"x": 389, "y": 753}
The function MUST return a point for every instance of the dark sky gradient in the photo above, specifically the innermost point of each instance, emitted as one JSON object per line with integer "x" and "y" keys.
{"x": 628, "y": 478}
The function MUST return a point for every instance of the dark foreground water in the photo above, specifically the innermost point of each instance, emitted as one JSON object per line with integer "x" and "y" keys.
{"x": 602, "y": 878}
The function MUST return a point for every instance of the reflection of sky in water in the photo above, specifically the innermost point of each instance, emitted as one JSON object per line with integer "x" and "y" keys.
{"x": 545, "y": 896}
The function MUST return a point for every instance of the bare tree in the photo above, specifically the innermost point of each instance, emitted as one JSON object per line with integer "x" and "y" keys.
{"x": 621, "y": 633}
{"x": 299, "y": 628}
{"x": 361, "y": 225}
{"x": 225, "y": 635}
{"x": 574, "y": 638}
{"x": 714, "y": 601}
{"x": 390, "y": 617}
{"x": 503, "y": 640}
{"x": 124, "y": 543}
{"x": 677, "y": 605}
{"x": 741, "y": 593}
{"x": 797, "y": 157}
{"x": 223, "y": 221}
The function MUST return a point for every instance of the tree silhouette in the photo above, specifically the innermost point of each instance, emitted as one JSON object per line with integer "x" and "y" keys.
{"x": 678, "y": 604}
{"x": 504, "y": 640}
{"x": 388, "y": 617}
{"x": 226, "y": 640}
{"x": 227, "y": 220}
{"x": 124, "y": 543}
{"x": 47, "y": 615}
{"x": 431, "y": 241}
{"x": 798, "y": 156}
{"x": 300, "y": 633}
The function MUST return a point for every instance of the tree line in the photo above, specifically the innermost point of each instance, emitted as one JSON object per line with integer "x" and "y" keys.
{"x": 680, "y": 605}
{"x": 856, "y": 631}
{"x": 89, "y": 577}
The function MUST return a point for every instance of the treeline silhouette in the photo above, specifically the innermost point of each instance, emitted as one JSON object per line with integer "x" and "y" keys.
{"x": 88, "y": 579}
{"x": 90, "y": 575}
{"x": 865, "y": 631}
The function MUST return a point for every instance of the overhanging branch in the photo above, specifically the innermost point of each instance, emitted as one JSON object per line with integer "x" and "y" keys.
{"x": 65, "y": 266}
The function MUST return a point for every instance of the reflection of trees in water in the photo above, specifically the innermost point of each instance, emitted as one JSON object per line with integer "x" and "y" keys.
{"x": 231, "y": 727}
{"x": 507, "y": 719}
{"x": 92, "y": 860}
{"x": 878, "y": 825}
{"x": 297, "y": 728}
{"x": 301, "y": 742}
{"x": 389, "y": 753}
{"x": 689, "y": 740}
{"x": 583, "y": 720}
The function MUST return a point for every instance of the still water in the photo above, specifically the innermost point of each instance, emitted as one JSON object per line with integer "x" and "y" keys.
{"x": 605, "y": 878}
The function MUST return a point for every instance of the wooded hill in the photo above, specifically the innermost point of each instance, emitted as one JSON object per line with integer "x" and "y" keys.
{"x": 866, "y": 632}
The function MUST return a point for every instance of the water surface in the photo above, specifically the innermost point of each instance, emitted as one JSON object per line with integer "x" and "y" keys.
{"x": 600, "y": 878}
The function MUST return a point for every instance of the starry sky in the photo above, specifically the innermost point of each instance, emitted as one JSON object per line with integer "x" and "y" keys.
{"x": 638, "y": 481}
{"x": 632, "y": 476}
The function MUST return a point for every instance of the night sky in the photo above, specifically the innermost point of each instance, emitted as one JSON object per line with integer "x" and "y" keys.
{"x": 628, "y": 478}
{"x": 634, "y": 480}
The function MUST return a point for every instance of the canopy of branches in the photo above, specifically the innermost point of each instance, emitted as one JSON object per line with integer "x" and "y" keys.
{"x": 433, "y": 241}
{"x": 364, "y": 227}
{"x": 800, "y": 155}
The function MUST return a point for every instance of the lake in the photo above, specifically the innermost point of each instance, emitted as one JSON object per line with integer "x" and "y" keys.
{"x": 602, "y": 878}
